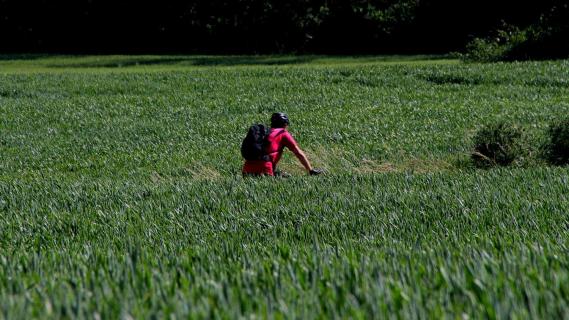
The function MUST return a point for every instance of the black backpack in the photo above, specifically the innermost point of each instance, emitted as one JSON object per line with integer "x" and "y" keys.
{"x": 253, "y": 146}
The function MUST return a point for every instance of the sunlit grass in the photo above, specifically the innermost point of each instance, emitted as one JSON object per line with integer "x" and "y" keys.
{"x": 120, "y": 192}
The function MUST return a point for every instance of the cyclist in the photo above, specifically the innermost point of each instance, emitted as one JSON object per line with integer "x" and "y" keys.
{"x": 278, "y": 139}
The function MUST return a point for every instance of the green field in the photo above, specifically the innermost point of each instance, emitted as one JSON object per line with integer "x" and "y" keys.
{"x": 121, "y": 194}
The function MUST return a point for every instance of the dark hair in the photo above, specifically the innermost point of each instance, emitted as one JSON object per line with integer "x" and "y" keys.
{"x": 279, "y": 120}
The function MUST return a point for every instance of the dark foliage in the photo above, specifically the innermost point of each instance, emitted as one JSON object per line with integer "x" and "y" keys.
{"x": 256, "y": 26}
{"x": 497, "y": 144}
{"x": 557, "y": 146}
{"x": 546, "y": 38}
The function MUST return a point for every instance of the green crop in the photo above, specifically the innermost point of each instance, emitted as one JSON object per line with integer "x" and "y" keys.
{"x": 121, "y": 194}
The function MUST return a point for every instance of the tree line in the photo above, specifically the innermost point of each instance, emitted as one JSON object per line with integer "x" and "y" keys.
{"x": 262, "y": 26}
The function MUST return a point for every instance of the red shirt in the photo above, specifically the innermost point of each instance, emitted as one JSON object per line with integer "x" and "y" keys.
{"x": 277, "y": 140}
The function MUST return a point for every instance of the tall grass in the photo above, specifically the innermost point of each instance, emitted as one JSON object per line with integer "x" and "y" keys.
{"x": 120, "y": 194}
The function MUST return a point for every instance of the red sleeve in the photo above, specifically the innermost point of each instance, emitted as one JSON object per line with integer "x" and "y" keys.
{"x": 289, "y": 142}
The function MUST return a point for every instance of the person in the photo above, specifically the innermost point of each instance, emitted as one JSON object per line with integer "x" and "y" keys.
{"x": 278, "y": 139}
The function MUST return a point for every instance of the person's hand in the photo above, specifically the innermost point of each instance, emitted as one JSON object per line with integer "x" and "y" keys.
{"x": 315, "y": 171}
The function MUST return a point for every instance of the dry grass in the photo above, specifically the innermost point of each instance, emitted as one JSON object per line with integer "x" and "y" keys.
{"x": 336, "y": 159}
{"x": 203, "y": 172}
{"x": 413, "y": 165}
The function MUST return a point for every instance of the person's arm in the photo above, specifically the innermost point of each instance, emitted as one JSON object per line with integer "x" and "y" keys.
{"x": 304, "y": 160}
{"x": 291, "y": 144}
{"x": 301, "y": 157}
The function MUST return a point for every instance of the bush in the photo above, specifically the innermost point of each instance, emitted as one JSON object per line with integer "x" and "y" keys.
{"x": 557, "y": 146}
{"x": 497, "y": 144}
{"x": 497, "y": 47}
{"x": 483, "y": 50}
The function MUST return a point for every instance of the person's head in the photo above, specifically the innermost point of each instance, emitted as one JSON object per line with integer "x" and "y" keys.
{"x": 279, "y": 120}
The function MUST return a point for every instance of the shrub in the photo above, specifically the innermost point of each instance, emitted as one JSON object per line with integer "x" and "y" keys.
{"x": 483, "y": 50}
{"x": 497, "y": 47}
{"x": 557, "y": 145}
{"x": 497, "y": 144}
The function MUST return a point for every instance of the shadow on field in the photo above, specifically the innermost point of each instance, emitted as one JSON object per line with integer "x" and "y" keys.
{"x": 250, "y": 60}
{"x": 481, "y": 79}
{"x": 119, "y": 62}
{"x": 24, "y": 56}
